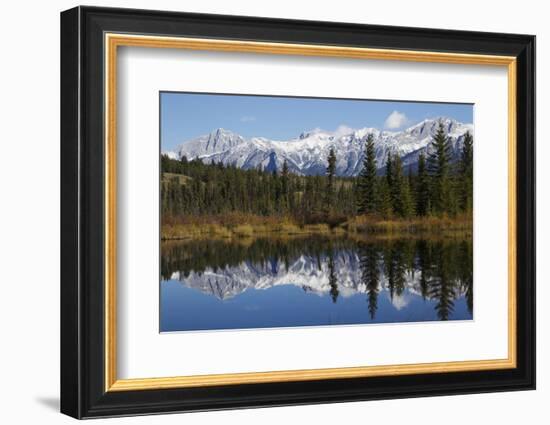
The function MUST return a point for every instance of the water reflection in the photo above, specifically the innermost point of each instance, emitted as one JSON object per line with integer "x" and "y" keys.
{"x": 311, "y": 281}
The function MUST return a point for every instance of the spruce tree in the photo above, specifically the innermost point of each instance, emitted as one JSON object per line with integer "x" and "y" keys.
{"x": 384, "y": 205}
{"x": 366, "y": 199}
{"x": 389, "y": 170}
{"x": 439, "y": 168}
{"x": 389, "y": 180}
{"x": 466, "y": 173}
{"x": 422, "y": 187}
{"x": 406, "y": 206}
{"x": 396, "y": 185}
{"x": 285, "y": 187}
{"x": 331, "y": 171}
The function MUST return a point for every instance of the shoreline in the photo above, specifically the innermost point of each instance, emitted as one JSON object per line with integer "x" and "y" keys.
{"x": 362, "y": 227}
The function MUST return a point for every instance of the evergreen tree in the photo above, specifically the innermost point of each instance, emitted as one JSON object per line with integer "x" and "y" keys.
{"x": 384, "y": 205}
{"x": 389, "y": 170}
{"x": 330, "y": 172}
{"x": 319, "y": 195}
{"x": 422, "y": 188}
{"x": 367, "y": 199}
{"x": 406, "y": 205}
{"x": 308, "y": 203}
{"x": 399, "y": 189}
{"x": 439, "y": 167}
{"x": 467, "y": 173}
{"x": 285, "y": 188}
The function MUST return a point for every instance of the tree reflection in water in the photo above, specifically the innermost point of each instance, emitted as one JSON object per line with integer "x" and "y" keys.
{"x": 436, "y": 271}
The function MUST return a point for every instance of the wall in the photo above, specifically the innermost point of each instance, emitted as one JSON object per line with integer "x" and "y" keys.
{"x": 29, "y": 228}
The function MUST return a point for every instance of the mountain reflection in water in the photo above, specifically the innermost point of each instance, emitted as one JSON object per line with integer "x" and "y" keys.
{"x": 213, "y": 284}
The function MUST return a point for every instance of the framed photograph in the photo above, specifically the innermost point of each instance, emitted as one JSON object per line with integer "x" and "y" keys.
{"x": 261, "y": 212}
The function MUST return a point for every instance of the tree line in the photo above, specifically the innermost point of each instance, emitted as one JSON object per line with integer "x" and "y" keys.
{"x": 440, "y": 186}
{"x": 217, "y": 189}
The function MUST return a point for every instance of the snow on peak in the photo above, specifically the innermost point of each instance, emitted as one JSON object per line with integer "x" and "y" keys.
{"x": 307, "y": 153}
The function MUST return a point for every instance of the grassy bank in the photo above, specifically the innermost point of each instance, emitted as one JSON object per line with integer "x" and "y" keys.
{"x": 247, "y": 226}
{"x": 367, "y": 224}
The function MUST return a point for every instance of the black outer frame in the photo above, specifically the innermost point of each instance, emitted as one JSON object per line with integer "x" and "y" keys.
{"x": 82, "y": 212}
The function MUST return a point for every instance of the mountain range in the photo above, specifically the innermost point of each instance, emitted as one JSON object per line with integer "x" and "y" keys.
{"x": 307, "y": 154}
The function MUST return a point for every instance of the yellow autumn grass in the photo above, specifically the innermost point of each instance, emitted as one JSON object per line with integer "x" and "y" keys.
{"x": 247, "y": 226}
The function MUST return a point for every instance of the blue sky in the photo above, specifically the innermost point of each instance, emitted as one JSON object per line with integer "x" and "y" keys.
{"x": 185, "y": 116}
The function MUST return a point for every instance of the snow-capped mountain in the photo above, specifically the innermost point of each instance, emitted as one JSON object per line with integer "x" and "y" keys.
{"x": 307, "y": 153}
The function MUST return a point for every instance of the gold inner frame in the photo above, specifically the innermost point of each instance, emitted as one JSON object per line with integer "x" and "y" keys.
{"x": 113, "y": 41}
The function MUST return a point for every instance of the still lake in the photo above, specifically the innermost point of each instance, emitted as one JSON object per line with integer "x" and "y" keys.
{"x": 312, "y": 281}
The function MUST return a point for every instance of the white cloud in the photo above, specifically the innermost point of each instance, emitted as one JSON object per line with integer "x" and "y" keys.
{"x": 396, "y": 120}
{"x": 248, "y": 118}
{"x": 342, "y": 130}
